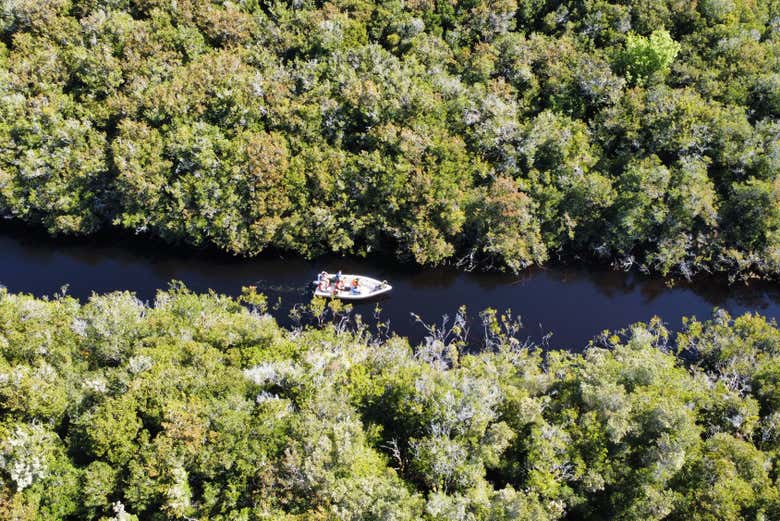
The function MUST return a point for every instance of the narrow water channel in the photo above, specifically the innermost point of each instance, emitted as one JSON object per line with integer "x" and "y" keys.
{"x": 574, "y": 304}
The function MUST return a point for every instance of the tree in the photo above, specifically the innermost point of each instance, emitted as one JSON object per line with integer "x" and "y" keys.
{"x": 645, "y": 56}
{"x": 509, "y": 232}
{"x": 737, "y": 483}
{"x": 751, "y": 215}
{"x": 362, "y": 127}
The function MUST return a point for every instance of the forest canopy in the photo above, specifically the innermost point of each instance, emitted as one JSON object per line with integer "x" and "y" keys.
{"x": 484, "y": 133}
{"x": 202, "y": 407}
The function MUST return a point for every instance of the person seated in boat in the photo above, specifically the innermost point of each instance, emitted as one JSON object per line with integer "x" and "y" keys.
{"x": 323, "y": 281}
{"x": 340, "y": 284}
{"x": 355, "y": 286}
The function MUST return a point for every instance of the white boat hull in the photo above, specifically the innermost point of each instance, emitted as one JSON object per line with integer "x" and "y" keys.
{"x": 367, "y": 288}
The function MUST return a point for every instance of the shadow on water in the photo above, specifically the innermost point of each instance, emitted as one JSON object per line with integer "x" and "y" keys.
{"x": 575, "y": 303}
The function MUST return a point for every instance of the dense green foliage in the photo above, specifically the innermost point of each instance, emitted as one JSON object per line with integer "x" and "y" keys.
{"x": 201, "y": 407}
{"x": 482, "y": 132}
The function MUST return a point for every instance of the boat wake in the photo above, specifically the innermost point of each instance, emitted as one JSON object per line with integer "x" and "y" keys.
{"x": 268, "y": 287}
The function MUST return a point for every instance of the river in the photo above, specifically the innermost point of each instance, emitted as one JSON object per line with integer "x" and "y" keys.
{"x": 572, "y": 303}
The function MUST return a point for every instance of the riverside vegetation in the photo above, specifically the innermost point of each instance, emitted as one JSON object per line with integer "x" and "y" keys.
{"x": 480, "y": 132}
{"x": 202, "y": 407}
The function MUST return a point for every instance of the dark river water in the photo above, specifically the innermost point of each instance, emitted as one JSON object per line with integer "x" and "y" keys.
{"x": 574, "y": 304}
